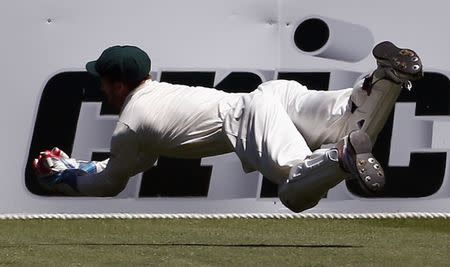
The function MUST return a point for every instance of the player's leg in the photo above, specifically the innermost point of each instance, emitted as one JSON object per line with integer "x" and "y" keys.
{"x": 311, "y": 179}
{"x": 372, "y": 101}
{"x": 264, "y": 137}
{"x": 314, "y": 113}
{"x": 324, "y": 117}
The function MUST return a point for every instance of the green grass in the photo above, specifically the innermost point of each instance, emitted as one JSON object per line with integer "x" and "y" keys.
{"x": 227, "y": 242}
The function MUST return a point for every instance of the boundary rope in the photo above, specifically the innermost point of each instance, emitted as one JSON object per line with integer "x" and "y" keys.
{"x": 67, "y": 216}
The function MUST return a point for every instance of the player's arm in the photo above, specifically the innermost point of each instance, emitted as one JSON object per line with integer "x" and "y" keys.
{"x": 109, "y": 177}
{"x": 125, "y": 161}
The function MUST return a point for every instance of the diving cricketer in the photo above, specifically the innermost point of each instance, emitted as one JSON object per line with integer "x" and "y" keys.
{"x": 280, "y": 129}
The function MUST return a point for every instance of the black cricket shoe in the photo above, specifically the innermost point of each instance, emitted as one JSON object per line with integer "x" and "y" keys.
{"x": 356, "y": 158}
{"x": 400, "y": 64}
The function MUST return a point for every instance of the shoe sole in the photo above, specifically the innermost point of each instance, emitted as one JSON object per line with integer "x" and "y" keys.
{"x": 366, "y": 168}
{"x": 404, "y": 61}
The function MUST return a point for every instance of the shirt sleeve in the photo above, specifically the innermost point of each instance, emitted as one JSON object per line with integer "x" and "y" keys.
{"x": 126, "y": 160}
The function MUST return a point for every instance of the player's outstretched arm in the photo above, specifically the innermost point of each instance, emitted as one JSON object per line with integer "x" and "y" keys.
{"x": 125, "y": 161}
{"x": 106, "y": 178}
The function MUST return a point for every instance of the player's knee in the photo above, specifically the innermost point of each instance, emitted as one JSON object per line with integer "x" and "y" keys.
{"x": 296, "y": 198}
{"x": 298, "y": 203}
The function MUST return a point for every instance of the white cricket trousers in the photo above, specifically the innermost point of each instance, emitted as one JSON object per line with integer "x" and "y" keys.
{"x": 281, "y": 122}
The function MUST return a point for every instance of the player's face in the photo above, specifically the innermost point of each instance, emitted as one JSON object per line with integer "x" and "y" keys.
{"x": 115, "y": 92}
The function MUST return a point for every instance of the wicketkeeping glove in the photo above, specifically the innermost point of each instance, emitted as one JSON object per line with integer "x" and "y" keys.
{"x": 54, "y": 161}
{"x": 57, "y": 172}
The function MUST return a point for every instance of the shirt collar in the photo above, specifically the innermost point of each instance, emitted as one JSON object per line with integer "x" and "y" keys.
{"x": 134, "y": 91}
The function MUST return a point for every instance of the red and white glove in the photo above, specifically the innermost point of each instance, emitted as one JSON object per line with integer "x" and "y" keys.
{"x": 53, "y": 161}
{"x": 58, "y": 173}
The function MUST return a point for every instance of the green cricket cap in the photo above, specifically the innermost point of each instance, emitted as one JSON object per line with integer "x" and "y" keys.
{"x": 122, "y": 63}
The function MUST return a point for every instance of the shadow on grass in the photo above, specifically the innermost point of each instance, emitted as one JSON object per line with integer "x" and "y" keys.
{"x": 186, "y": 245}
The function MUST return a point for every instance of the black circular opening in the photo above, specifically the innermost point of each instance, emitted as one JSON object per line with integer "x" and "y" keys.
{"x": 311, "y": 35}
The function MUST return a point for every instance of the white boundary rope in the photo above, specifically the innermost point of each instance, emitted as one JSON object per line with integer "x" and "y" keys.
{"x": 62, "y": 216}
